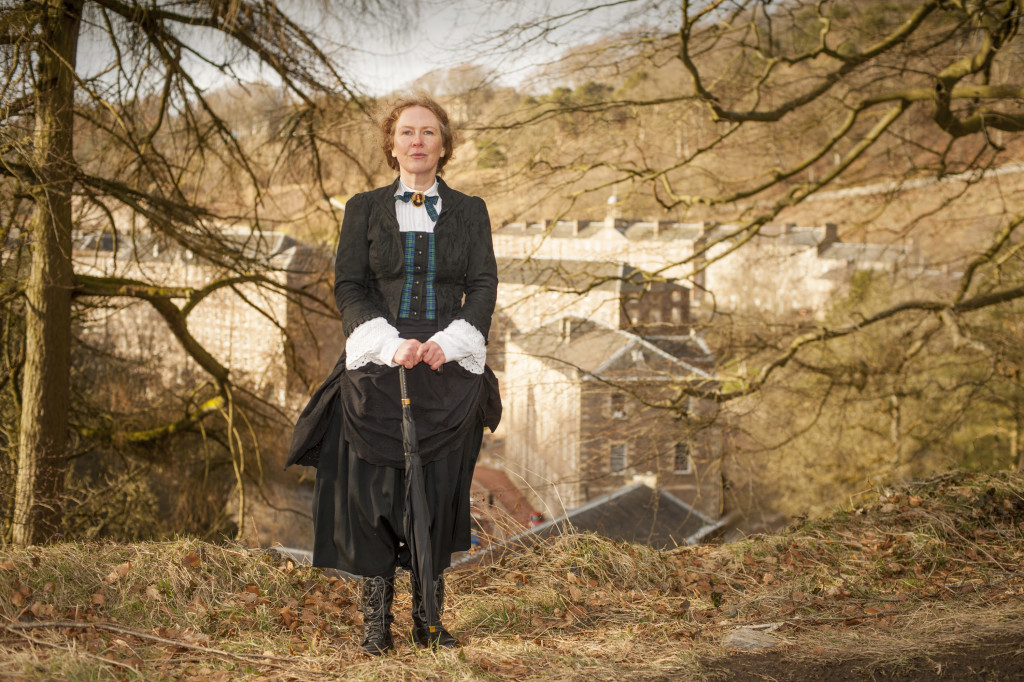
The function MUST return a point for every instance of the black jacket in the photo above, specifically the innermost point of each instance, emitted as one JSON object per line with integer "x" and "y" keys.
{"x": 369, "y": 275}
{"x": 370, "y": 267}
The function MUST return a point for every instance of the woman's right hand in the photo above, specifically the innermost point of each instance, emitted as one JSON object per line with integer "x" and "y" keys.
{"x": 406, "y": 353}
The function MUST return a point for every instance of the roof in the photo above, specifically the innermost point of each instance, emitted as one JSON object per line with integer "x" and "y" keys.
{"x": 689, "y": 347}
{"x": 600, "y": 350}
{"x": 864, "y": 253}
{"x": 576, "y": 276}
{"x": 633, "y": 230}
{"x": 635, "y": 513}
{"x": 267, "y": 246}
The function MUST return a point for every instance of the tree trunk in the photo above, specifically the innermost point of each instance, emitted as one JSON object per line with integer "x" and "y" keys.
{"x": 42, "y": 446}
{"x": 1016, "y": 447}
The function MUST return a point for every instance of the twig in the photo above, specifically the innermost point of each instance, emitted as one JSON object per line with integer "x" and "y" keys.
{"x": 109, "y": 627}
{"x": 87, "y": 654}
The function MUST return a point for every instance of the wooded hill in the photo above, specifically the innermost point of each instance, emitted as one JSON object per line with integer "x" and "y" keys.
{"x": 743, "y": 112}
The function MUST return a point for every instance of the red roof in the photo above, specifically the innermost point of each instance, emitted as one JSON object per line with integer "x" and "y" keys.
{"x": 507, "y": 497}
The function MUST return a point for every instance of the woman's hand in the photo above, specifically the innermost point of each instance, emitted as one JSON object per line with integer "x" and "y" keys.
{"x": 408, "y": 354}
{"x": 431, "y": 354}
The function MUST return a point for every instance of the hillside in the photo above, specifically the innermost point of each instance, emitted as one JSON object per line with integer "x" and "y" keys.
{"x": 921, "y": 582}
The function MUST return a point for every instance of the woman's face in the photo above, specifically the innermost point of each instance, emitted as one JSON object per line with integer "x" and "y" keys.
{"x": 418, "y": 145}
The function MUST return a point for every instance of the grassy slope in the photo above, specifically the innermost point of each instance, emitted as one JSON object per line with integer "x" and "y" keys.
{"x": 918, "y": 568}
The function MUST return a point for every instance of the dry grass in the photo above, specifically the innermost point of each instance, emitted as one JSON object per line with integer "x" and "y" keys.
{"x": 922, "y": 568}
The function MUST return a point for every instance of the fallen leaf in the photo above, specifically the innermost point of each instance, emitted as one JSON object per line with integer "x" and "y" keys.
{"x": 575, "y": 593}
{"x": 153, "y": 593}
{"x": 190, "y": 560}
{"x": 6, "y": 565}
{"x": 120, "y": 571}
{"x": 98, "y": 598}
{"x": 914, "y": 500}
{"x": 253, "y": 588}
{"x": 200, "y": 639}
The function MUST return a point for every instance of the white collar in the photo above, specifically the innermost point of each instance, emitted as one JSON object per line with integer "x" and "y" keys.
{"x": 403, "y": 188}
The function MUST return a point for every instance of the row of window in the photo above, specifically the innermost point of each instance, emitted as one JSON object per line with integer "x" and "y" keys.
{"x": 681, "y": 462}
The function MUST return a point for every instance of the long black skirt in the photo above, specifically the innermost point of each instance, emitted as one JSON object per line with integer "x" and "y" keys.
{"x": 359, "y": 497}
{"x": 358, "y": 509}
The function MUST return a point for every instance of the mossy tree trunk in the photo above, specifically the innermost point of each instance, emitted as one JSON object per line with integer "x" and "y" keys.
{"x": 42, "y": 444}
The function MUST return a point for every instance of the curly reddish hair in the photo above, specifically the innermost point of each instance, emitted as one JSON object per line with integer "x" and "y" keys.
{"x": 390, "y": 119}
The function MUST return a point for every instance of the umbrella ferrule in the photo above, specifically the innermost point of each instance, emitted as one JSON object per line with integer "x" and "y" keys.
{"x": 406, "y": 401}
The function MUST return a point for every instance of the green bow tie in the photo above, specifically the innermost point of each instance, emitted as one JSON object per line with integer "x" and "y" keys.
{"x": 419, "y": 199}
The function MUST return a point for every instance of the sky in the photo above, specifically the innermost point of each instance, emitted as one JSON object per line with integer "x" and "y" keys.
{"x": 446, "y": 34}
{"x": 393, "y": 49}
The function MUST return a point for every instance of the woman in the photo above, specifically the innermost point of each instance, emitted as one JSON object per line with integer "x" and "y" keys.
{"x": 415, "y": 282}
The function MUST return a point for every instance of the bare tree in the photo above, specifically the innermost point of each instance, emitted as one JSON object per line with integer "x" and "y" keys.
{"x": 106, "y": 108}
{"x": 745, "y": 112}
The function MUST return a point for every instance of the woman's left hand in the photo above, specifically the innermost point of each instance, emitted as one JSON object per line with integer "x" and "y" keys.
{"x": 431, "y": 354}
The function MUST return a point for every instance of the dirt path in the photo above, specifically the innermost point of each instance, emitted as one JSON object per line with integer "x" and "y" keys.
{"x": 996, "y": 659}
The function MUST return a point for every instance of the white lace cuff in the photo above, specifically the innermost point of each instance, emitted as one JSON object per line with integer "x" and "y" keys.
{"x": 373, "y": 341}
{"x": 462, "y": 343}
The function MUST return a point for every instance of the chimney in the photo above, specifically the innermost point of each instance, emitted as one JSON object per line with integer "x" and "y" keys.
{"x": 576, "y": 225}
{"x": 567, "y": 329}
{"x": 613, "y": 211}
{"x": 830, "y": 238}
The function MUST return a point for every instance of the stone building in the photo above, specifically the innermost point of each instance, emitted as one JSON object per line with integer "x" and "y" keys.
{"x": 278, "y": 337}
{"x": 781, "y": 270}
{"x": 789, "y": 269}
{"x": 655, "y": 246}
{"x": 582, "y": 418}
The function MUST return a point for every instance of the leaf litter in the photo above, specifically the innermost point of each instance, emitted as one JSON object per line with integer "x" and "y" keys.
{"x": 922, "y": 566}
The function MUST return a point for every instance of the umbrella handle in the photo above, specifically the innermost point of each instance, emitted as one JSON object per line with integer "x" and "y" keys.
{"x": 404, "y": 387}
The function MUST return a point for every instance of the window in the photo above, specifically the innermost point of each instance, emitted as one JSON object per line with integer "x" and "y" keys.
{"x": 617, "y": 459}
{"x": 681, "y": 458}
{"x": 655, "y": 317}
{"x": 617, "y": 405}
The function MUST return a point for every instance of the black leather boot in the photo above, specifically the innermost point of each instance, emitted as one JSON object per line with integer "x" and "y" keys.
{"x": 421, "y": 632}
{"x": 378, "y": 593}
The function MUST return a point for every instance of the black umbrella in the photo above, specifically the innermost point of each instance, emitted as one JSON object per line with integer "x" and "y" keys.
{"x": 417, "y": 516}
